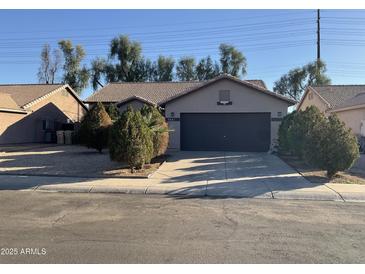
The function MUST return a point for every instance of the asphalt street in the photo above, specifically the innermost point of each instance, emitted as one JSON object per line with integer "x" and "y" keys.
{"x": 38, "y": 227}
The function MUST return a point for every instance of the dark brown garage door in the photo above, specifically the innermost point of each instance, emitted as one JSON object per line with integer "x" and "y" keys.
{"x": 225, "y": 131}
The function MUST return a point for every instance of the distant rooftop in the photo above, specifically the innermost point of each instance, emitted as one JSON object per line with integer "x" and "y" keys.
{"x": 337, "y": 95}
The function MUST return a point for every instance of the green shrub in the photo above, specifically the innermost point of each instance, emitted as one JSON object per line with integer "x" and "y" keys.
{"x": 160, "y": 131}
{"x": 283, "y": 136}
{"x": 119, "y": 136}
{"x": 339, "y": 148}
{"x": 300, "y": 131}
{"x": 140, "y": 144}
{"x": 94, "y": 128}
{"x": 131, "y": 140}
{"x": 112, "y": 111}
{"x": 322, "y": 142}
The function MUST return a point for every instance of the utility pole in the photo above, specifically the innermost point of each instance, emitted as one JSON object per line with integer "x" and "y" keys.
{"x": 318, "y": 36}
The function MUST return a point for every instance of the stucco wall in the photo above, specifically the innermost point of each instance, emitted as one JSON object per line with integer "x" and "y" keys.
{"x": 135, "y": 104}
{"x": 6, "y": 120}
{"x": 352, "y": 118}
{"x": 316, "y": 101}
{"x": 244, "y": 99}
{"x": 29, "y": 128}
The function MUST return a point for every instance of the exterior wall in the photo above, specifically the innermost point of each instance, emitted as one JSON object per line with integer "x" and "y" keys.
{"x": 135, "y": 104}
{"x": 316, "y": 101}
{"x": 28, "y": 128}
{"x": 244, "y": 99}
{"x": 352, "y": 118}
{"x": 6, "y": 120}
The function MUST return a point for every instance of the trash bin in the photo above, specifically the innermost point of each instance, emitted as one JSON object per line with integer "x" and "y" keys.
{"x": 60, "y": 137}
{"x": 68, "y": 137}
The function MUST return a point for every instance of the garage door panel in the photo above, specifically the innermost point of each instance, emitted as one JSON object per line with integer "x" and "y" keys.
{"x": 225, "y": 131}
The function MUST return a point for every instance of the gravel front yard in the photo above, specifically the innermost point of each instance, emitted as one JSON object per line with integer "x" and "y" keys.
{"x": 72, "y": 160}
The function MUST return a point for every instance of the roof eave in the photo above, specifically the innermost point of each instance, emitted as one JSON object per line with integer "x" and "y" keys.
{"x": 339, "y": 109}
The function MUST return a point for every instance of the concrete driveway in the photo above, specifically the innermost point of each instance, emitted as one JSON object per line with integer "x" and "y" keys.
{"x": 237, "y": 174}
{"x": 198, "y": 174}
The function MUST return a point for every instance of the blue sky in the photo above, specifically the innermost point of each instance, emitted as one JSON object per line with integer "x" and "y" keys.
{"x": 273, "y": 41}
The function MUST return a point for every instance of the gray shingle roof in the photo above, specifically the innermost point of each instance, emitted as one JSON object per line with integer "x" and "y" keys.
{"x": 358, "y": 99}
{"x": 155, "y": 92}
{"x": 23, "y": 94}
{"x": 336, "y": 95}
{"x": 161, "y": 92}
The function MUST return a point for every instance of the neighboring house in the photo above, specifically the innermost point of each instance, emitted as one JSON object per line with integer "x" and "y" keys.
{"x": 32, "y": 113}
{"x": 347, "y": 101}
{"x": 222, "y": 114}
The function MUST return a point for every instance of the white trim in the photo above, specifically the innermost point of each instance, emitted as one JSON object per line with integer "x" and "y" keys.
{"x": 13, "y": 110}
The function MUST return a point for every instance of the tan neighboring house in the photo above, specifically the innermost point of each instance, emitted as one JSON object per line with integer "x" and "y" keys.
{"x": 347, "y": 101}
{"x": 31, "y": 113}
{"x": 222, "y": 114}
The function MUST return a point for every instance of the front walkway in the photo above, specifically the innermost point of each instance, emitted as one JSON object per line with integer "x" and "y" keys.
{"x": 198, "y": 174}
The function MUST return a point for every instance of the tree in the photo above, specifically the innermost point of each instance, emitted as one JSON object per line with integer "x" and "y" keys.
{"x": 185, "y": 69}
{"x": 296, "y": 81}
{"x": 97, "y": 71}
{"x": 232, "y": 61}
{"x": 206, "y": 69}
{"x": 126, "y": 64}
{"x": 94, "y": 128}
{"x": 50, "y": 64}
{"x": 76, "y": 75}
{"x": 164, "y": 69}
{"x": 159, "y": 128}
{"x": 128, "y": 55}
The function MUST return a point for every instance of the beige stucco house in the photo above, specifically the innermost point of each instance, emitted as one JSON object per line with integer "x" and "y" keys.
{"x": 347, "y": 101}
{"x": 32, "y": 113}
{"x": 222, "y": 114}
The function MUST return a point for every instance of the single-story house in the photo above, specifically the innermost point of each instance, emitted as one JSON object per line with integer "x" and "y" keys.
{"x": 31, "y": 113}
{"x": 347, "y": 101}
{"x": 221, "y": 114}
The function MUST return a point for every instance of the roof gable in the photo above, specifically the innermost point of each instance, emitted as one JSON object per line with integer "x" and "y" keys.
{"x": 24, "y": 94}
{"x": 234, "y": 79}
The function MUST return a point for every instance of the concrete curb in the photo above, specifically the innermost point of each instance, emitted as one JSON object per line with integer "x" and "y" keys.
{"x": 200, "y": 192}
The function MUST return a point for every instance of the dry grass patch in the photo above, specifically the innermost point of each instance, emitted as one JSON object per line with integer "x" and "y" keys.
{"x": 319, "y": 176}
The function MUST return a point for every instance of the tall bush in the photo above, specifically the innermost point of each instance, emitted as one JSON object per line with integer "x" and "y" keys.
{"x": 300, "y": 132}
{"x": 322, "y": 142}
{"x": 339, "y": 147}
{"x": 160, "y": 131}
{"x": 131, "y": 140}
{"x": 119, "y": 136}
{"x": 94, "y": 128}
{"x": 283, "y": 136}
